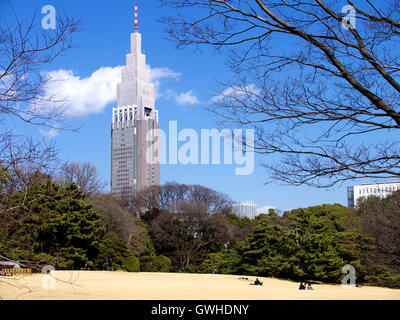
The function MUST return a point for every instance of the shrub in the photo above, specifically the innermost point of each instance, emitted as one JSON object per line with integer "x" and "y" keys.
{"x": 131, "y": 264}
{"x": 163, "y": 263}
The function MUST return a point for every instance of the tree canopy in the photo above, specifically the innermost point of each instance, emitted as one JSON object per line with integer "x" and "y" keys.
{"x": 318, "y": 81}
{"x": 48, "y": 223}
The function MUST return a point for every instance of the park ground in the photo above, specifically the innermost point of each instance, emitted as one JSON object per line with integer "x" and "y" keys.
{"x": 110, "y": 285}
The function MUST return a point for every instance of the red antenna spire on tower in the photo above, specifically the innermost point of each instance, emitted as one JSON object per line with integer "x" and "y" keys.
{"x": 136, "y": 23}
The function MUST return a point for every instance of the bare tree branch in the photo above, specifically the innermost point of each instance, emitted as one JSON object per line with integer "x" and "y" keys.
{"x": 321, "y": 97}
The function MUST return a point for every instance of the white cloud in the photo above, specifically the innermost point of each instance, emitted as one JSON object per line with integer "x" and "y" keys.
{"x": 264, "y": 209}
{"x": 236, "y": 91}
{"x": 183, "y": 98}
{"x": 5, "y": 80}
{"x": 158, "y": 75}
{"x": 164, "y": 73}
{"x": 83, "y": 96}
{"x": 51, "y": 133}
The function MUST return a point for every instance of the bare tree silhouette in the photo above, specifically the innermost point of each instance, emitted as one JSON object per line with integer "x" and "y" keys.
{"x": 317, "y": 83}
{"x": 25, "y": 50}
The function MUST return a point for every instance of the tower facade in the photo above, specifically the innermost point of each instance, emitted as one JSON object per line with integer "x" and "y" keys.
{"x": 134, "y": 144}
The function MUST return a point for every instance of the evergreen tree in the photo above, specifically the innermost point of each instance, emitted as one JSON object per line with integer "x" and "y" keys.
{"x": 55, "y": 220}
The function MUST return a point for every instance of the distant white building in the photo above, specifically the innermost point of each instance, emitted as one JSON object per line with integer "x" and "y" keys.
{"x": 380, "y": 189}
{"x": 245, "y": 209}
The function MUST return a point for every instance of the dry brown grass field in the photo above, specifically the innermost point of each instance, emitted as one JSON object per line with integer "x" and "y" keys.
{"x": 110, "y": 285}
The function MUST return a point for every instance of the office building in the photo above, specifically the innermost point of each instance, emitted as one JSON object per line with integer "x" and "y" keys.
{"x": 245, "y": 209}
{"x": 380, "y": 189}
{"x": 134, "y": 146}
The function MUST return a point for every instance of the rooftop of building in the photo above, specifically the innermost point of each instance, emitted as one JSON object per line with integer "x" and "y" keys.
{"x": 247, "y": 203}
{"x": 375, "y": 183}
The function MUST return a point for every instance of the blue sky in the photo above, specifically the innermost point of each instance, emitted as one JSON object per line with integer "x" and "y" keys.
{"x": 185, "y": 81}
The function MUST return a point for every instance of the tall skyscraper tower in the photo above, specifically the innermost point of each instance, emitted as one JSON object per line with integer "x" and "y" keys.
{"x": 134, "y": 146}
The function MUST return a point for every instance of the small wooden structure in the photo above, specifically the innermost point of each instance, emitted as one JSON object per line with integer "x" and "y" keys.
{"x": 16, "y": 272}
{"x": 8, "y": 268}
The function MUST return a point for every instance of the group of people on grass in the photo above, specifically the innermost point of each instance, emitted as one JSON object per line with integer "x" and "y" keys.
{"x": 305, "y": 286}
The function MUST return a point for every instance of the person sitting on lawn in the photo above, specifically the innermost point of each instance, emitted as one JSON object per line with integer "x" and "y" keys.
{"x": 302, "y": 286}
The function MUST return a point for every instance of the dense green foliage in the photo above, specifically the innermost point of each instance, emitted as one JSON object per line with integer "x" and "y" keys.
{"x": 53, "y": 221}
{"x": 313, "y": 244}
{"x": 48, "y": 223}
{"x": 57, "y": 225}
{"x": 274, "y": 250}
{"x": 379, "y": 220}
